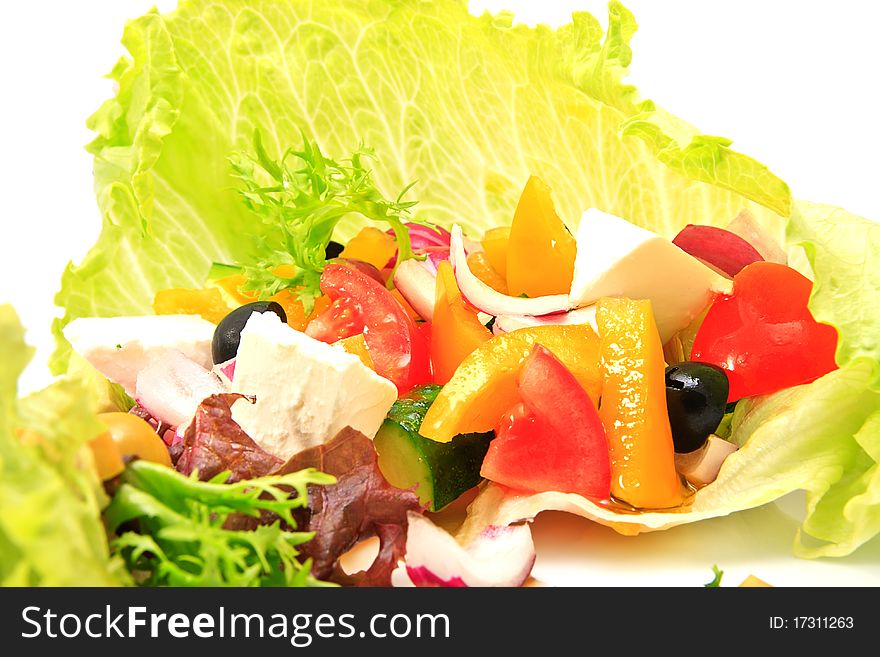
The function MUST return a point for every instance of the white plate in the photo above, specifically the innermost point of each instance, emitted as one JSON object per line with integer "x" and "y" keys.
{"x": 575, "y": 552}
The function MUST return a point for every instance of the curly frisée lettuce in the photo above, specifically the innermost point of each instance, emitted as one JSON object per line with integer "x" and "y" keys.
{"x": 301, "y": 206}
{"x": 184, "y": 538}
{"x": 470, "y": 107}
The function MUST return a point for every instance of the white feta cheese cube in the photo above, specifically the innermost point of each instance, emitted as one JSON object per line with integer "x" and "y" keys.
{"x": 618, "y": 259}
{"x": 306, "y": 390}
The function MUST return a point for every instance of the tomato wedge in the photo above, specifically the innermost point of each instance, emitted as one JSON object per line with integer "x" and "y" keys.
{"x": 398, "y": 351}
{"x": 554, "y": 440}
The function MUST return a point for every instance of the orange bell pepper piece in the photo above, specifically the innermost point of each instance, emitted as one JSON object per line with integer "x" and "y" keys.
{"x": 495, "y": 247}
{"x": 633, "y": 408}
{"x": 231, "y": 285}
{"x": 293, "y": 308}
{"x": 479, "y": 265}
{"x": 541, "y": 251}
{"x": 207, "y": 302}
{"x": 483, "y": 387}
{"x": 456, "y": 330}
{"x": 413, "y": 315}
{"x": 357, "y": 346}
{"x": 371, "y": 245}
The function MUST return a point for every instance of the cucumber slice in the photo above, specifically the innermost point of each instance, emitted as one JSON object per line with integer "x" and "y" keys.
{"x": 439, "y": 472}
{"x": 219, "y": 270}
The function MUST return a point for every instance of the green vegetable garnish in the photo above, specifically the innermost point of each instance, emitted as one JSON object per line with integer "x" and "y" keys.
{"x": 185, "y": 538}
{"x": 716, "y": 582}
{"x": 301, "y": 198}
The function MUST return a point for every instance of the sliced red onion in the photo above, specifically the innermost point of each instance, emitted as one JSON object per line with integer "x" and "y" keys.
{"x": 433, "y": 256}
{"x": 508, "y": 323}
{"x": 722, "y": 250}
{"x": 225, "y": 371}
{"x": 423, "y": 239}
{"x": 498, "y": 556}
{"x": 421, "y": 236}
{"x": 172, "y": 386}
{"x": 416, "y": 285}
{"x": 490, "y": 301}
{"x": 755, "y": 234}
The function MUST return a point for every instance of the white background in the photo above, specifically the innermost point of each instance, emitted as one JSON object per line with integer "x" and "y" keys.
{"x": 794, "y": 84}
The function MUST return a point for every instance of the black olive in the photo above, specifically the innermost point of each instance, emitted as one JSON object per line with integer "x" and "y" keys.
{"x": 332, "y": 250}
{"x": 696, "y": 398}
{"x": 227, "y": 335}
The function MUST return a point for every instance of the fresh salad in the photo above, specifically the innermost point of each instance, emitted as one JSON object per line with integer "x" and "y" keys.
{"x": 339, "y": 303}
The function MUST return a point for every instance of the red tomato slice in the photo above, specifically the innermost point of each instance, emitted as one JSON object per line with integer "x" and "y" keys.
{"x": 763, "y": 334}
{"x": 424, "y": 330}
{"x": 341, "y": 320}
{"x": 397, "y": 349}
{"x": 554, "y": 440}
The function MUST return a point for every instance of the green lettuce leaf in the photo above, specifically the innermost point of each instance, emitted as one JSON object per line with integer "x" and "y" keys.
{"x": 470, "y": 107}
{"x": 844, "y": 253}
{"x": 50, "y": 500}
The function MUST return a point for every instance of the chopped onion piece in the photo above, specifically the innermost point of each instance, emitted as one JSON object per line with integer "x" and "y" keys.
{"x": 416, "y": 284}
{"x": 701, "y": 467}
{"x": 498, "y": 556}
{"x": 508, "y": 323}
{"x": 172, "y": 386}
{"x": 490, "y": 301}
{"x": 755, "y": 234}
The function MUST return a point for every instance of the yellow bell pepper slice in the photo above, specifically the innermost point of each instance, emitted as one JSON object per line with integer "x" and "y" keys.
{"x": 633, "y": 408}
{"x": 455, "y": 329}
{"x": 371, "y": 245}
{"x": 541, "y": 251}
{"x": 293, "y": 308}
{"x": 207, "y": 302}
{"x": 480, "y": 267}
{"x": 495, "y": 247}
{"x": 357, "y": 346}
{"x": 483, "y": 387}
{"x": 230, "y": 287}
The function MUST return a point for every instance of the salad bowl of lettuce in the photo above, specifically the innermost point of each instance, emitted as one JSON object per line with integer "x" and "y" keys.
{"x": 469, "y": 107}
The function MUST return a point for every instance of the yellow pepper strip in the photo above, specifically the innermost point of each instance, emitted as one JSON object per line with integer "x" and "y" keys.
{"x": 413, "y": 315}
{"x": 371, "y": 245}
{"x": 483, "y": 387}
{"x": 633, "y": 408}
{"x": 479, "y": 265}
{"x": 207, "y": 302}
{"x": 455, "y": 329}
{"x": 541, "y": 251}
{"x": 495, "y": 247}
{"x": 357, "y": 345}
{"x": 752, "y": 582}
